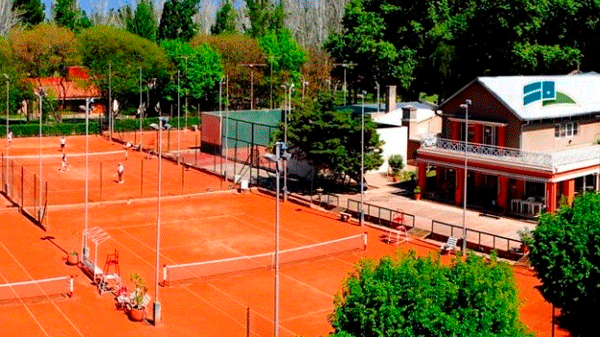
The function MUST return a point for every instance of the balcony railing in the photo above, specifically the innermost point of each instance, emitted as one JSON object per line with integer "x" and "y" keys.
{"x": 548, "y": 160}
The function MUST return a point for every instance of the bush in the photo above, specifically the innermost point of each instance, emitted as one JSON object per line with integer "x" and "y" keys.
{"x": 32, "y": 130}
{"x": 396, "y": 162}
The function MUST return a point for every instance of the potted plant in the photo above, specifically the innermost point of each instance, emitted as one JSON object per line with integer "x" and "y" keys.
{"x": 526, "y": 238}
{"x": 396, "y": 163}
{"x": 417, "y": 192}
{"x": 72, "y": 258}
{"x": 138, "y": 307}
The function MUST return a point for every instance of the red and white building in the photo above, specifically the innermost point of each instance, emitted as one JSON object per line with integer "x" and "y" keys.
{"x": 531, "y": 140}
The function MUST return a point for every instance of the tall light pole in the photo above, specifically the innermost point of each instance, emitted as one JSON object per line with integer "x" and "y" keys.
{"x": 141, "y": 113}
{"x": 345, "y": 65}
{"x": 42, "y": 94}
{"x": 178, "y": 113}
{"x": 226, "y": 122}
{"x": 280, "y": 156}
{"x": 7, "y": 144}
{"x": 285, "y": 189}
{"x": 221, "y": 122}
{"x": 157, "y": 305}
{"x": 464, "y": 240}
{"x": 252, "y": 65}
{"x": 110, "y": 115}
{"x": 87, "y": 153}
{"x": 377, "y": 87}
{"x": 362, "y": 159}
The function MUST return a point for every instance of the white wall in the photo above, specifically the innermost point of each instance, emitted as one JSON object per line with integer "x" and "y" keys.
{"x": 395, "y": 140}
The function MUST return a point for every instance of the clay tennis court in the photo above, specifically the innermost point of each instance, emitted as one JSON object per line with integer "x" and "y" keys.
{"x": 208, "y": 226}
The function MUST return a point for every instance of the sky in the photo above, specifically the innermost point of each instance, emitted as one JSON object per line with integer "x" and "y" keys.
{"x": 87, "y": 5}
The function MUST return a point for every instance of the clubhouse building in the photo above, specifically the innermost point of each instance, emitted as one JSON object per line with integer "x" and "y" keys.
{"x": 532, "y": 141}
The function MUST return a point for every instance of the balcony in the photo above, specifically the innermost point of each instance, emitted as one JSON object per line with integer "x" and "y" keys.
{"x": 545, "y": 160}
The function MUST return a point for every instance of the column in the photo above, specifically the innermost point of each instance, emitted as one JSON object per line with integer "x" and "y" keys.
{"x": 478, "y": 133}
{"x": 550, "y": 197}
{"x": 455, "y": 130}
{"x": 422, "y": 178}
{"x": 502, "y": 192}
{"x": 460, "y": 181}
{"x": 568, "y": 190}
{"x": 501, "y": 134}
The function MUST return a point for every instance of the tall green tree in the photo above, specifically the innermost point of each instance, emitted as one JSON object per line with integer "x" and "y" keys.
{"x": 199, "y": 69}
{"x": 143, "y": 22}
{"x": 565, "y": 252}
{"x": 330, "y": 139}
{"x": 66, "y": 13}
{"x": 176, "y": 22}
{"x": 19, "y": 87}
{"x": 418, "y": 296}
{"x": 31, "y": 12}
{"x": 125, "y": 53}
{"x": 225, "y": 21}
{"x": 265, "y": 16}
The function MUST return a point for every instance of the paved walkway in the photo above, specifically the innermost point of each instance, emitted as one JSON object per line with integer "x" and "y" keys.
{"x": 382, "y": 192}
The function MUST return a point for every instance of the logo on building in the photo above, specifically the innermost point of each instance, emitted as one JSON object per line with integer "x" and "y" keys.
{"x": 546, "y": 92}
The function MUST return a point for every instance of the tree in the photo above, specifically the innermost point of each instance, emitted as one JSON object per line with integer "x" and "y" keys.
{"x": 45, "y": 50}
{"x": 20, "y": 87}
{"x": 565, "y": 252}
{"x": 264, "y": 16}
{"x": 235, "y": 50}
{"x": 125, "y": 53}
{"x": 66, "y": 13}
{"x": 143, "y": 22}
{"x": 225, "y": 21}
{"x": 176, "y": 22}
{"x": 200, "y": 71}
{"x": 284, "y": 51}
{"x": 8, "y": 18}
{"x": 330, "y": 139}
{"x": 418, "y": 296}
{"x": 31, "y": 12}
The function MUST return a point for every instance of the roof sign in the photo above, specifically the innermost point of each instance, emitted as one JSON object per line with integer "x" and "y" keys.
{"x": 546, "y": 92}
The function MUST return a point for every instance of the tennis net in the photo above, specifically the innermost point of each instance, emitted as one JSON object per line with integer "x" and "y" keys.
{"x": 33, "y": 160}
{"x": 205, "y": 269}
{"x": 37, "y": 290}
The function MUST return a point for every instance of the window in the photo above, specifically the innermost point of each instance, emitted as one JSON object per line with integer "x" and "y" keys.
{"x": 566, "y": 130}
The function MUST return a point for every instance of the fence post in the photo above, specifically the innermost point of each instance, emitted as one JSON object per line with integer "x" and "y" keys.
{"x": 100, "y": 181}
{"x": 142, "y": 179}
{"x": 35, "y": 193}
{"x": 182, "y": 178}
{"x": 22, "y": 183}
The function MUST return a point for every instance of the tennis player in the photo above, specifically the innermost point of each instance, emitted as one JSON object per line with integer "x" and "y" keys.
{"x": 64, "y": 163}
{"x": 120, "y": 170}
{"x": 63, "y": 142}
{"x": 9, "y": 137}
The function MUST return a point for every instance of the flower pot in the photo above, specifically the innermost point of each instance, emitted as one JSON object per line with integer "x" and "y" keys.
{"x": 418, "y": 196}
{"x": 72, "y": 259}
{"x": 136, "y": 315}
{"x": 395, "y": 179}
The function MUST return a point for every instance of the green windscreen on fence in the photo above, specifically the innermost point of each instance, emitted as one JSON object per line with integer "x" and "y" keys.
{"x": 244, "y": 127}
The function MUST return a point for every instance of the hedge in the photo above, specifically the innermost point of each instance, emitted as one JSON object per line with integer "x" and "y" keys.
{"x": 60, "y": 129}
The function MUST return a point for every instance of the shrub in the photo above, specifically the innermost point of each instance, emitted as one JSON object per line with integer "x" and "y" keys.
{"x": 396, "y": 162}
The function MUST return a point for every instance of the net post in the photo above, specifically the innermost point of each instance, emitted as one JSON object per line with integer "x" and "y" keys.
{"x": 70, "y": 282}
{"x": 365, "y": 237}
{"x": 165, "y": 281}
{"x": 248, "y": 322}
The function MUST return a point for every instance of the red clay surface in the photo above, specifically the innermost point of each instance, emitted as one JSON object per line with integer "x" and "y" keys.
{"x": 140, "y": 175}
{"x": 193, "y": 228}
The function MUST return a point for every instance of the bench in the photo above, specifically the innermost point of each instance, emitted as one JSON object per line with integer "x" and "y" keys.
{"x": 450, "y": 245}
{"x": 97, "y": 272}
{"x": 345, "y": 216}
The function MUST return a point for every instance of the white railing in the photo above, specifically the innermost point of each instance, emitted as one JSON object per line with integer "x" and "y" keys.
{"x": 516, "y": 155}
